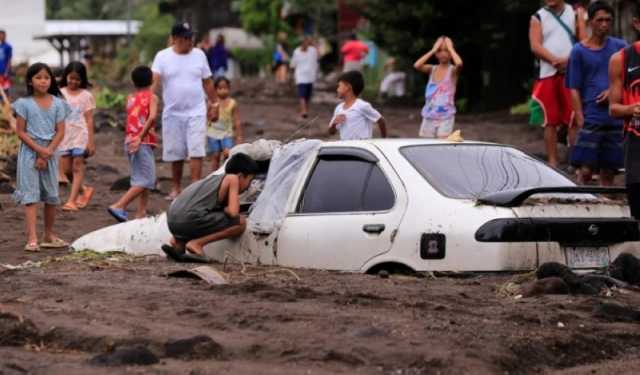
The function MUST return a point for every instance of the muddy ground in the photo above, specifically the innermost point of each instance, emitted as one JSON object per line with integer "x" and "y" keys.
{"x": 73, "y": 314}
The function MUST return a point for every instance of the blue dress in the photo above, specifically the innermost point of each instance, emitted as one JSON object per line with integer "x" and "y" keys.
{"x": 34, "y": 185}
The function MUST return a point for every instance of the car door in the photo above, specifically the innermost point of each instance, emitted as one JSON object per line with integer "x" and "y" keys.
{"x": 347, "y": 212}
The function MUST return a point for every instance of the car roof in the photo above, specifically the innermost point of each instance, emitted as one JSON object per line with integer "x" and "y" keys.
{"x": 402, "y": 142}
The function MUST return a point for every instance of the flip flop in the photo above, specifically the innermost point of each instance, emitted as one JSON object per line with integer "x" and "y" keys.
{"x": 171, "y": 252}
{"x": 69, "y": 207}
{"x": 120, "y": 215}
{"x": 33, "y": 247}
{"x": 185, "y": 257}
{"x": 193, "y": 258}
{"x": 56, "y": 243}
{"x": 84, "y": 199}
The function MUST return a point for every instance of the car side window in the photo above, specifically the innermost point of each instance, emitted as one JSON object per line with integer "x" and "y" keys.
{"x": 346, "y": 185}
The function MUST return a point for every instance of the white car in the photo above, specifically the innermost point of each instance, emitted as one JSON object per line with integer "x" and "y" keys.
{"x": 425, "y": 205}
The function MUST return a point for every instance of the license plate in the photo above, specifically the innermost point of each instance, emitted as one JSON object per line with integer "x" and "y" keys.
{"x": 587, "y": 257}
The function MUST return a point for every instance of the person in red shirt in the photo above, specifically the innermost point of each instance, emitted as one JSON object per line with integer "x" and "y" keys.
{"x": 354, "y": 51}
{"x": 624, "y": 102}
{"x": 140, "y": 140}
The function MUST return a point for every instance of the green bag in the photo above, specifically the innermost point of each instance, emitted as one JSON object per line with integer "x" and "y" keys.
{"x": 536, "y": 114}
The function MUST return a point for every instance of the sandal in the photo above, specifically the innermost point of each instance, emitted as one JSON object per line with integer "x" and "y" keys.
{"x": 55, "y": 243}
{"x": 69, "y": 207}
{"x": 84, "y": 199}
{"x": 120, "y": 215}
{"x": 32, "y": 246}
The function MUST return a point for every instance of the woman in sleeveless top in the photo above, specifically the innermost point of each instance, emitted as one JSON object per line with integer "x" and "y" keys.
{"x": 438, "y": 113}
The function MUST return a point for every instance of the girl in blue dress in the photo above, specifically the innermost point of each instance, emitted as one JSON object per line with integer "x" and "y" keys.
{"x": 40, "y": 127}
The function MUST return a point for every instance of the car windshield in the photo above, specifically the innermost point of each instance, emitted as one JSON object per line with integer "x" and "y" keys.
{"x": 468, "y": 171}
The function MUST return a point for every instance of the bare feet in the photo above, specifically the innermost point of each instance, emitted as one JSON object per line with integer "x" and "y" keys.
{"x": 84, "y": 199}
{"x": 194, "y": 248}
{"x": 70, "y": 207}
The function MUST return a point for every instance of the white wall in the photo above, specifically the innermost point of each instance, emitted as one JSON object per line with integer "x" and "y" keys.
{"x": 22, "y": 20}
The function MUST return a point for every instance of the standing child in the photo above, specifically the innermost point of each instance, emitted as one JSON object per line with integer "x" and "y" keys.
{"x": 78, "y": 142}
{"x": 224, "y": 123}
{"x": 439, "y": 111}
{"x": 354, "y": 117}
{"x": 40, "y": 127}
{"x": 140, "y": 140}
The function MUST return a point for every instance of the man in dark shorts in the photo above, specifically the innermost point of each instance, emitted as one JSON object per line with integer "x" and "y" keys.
{"x": 624, "y": 102}
{"x": 599, "y": 146}
{"x": 209, "y": 209}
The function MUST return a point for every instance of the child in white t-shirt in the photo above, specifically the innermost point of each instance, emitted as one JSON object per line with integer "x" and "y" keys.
{"x": 354, "y": 117}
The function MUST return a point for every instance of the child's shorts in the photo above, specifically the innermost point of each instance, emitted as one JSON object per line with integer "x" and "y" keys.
{"x": 33, "y": 185}
{"x": 599, "y": 146}
{"x": 216, "y": 145}
{"x": 431, "y": 128}
{"x": 305, "y": 90}
{"x": 75, "y": 152}
{"x": 143, "y": 167}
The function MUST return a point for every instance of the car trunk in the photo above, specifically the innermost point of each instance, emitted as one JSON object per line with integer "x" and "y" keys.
{"x": 585, "y": 234}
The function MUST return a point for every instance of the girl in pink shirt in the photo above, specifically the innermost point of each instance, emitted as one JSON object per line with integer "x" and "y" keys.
{"x": 78, "y": 141}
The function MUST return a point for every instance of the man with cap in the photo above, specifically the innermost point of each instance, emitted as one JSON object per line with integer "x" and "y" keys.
{"x": 185, "y": 76}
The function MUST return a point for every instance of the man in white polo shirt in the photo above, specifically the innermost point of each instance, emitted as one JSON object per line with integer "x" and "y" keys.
{"x": 185, "y": 76}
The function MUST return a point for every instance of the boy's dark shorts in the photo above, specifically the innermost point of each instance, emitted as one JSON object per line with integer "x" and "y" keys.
{"x": 204, "y": 226}
{"x": 305, "y": 90}
{"x": 599, "y": 146}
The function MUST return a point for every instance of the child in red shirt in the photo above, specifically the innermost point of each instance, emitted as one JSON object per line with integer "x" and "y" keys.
{"x": 140, "y": 140}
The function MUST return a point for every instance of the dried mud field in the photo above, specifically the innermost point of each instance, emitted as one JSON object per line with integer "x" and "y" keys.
{"x": 63, "y": 313}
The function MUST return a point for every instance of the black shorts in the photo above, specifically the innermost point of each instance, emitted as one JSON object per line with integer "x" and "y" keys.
{"x": 203, "y": 226}
{"x": 305, "y": 90}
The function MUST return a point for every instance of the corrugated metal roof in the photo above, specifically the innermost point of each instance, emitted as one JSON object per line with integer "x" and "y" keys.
{"x": 88, "y": 28}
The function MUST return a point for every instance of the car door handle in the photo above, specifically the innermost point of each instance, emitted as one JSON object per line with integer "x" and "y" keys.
{"x": 373, "y": 228}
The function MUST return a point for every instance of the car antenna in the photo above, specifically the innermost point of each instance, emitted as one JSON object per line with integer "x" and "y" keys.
{"x": 300, "y": 128}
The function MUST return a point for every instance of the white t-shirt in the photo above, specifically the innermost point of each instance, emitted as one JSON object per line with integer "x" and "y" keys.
{"x": 182, "y": 75}
{"x": 305, "y": 64}
{"x": 360, "y": 119}
{"x": 555, "y": 37}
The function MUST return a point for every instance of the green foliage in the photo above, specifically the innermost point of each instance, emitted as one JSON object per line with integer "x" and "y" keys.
{"x": 252, "y": 60}
{"x": 154, "y": 32}
{"x": 88, "y": 9}
{"x": 261, "y": 16}
{"x": 108, "y": 99}
{"x": 521, "y": 109}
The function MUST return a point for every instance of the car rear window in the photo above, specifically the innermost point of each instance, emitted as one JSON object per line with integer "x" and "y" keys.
{"x": 471, "y": 171}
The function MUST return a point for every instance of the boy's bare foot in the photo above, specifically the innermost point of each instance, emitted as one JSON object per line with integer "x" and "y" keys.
{"x": 70, "y": 207}
{"x": 194, "y": 248}
{"x": 83, "y": 200}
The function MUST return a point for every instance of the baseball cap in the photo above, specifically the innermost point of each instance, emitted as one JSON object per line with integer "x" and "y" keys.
{"x": 182, "y": 29}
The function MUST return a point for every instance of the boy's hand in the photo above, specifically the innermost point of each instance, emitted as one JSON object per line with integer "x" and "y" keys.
{"x": 41, "y": 164}
{"x": 134, "y": 145}
{"x": 339, "y": 120}
{"x": 636, "y": 110}
{"x": 603, "y": 97}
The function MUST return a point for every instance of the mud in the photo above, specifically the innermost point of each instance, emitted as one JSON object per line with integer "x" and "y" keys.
{"x": 63, "y": 314}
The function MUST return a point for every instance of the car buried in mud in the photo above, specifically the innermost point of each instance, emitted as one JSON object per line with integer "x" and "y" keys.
{"x": 423, "y": 205}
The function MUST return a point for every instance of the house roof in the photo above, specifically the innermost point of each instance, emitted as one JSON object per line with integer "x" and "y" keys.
{"x": 66, "y": 28}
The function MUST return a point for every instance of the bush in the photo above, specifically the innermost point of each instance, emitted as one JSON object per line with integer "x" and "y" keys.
{"x": 108, "y": 99}
{"x": 251, "y": 61}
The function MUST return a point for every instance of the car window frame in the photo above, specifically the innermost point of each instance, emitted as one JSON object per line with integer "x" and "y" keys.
{"x": 353, "y": 156}
{"x": 436, "y": 188}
